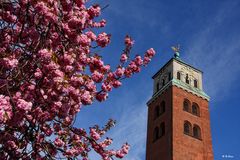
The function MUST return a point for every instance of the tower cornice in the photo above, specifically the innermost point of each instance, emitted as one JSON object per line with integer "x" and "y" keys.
{"x": 182, "y": 85}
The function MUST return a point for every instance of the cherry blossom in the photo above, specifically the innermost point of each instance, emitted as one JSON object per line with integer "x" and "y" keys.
{"x": 50, "y": 69}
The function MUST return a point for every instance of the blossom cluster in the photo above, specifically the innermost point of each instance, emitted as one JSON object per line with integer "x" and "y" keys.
{"x": 49, "y": 71}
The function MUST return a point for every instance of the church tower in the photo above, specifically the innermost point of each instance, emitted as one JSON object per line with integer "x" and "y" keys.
{"x": 178, "y": 114}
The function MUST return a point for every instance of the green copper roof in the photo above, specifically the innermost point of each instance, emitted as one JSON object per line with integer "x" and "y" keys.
{"x": 182, "y": 85}
{"x": 190, "y": 88}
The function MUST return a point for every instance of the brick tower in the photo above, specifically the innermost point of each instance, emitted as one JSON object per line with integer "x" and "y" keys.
{"x": 178, "y": 115}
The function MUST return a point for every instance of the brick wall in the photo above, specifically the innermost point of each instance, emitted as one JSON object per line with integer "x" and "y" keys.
{"x": 186, "y": 147}
{"x": 175, "y": 145}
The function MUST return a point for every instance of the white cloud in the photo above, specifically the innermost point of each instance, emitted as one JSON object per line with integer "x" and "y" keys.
{"x": 216, "y": 55}
{"x": 131, "y": 128}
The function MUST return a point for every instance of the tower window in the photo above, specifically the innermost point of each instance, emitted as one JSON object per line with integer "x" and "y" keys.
{"x": 156, "y": 134}
{"x": 187, "y": 128}
{"x": 195, "y": 109}
{"x": 186, "y": 105}
{"x": 169, "y": 76}
{"x": 196, "y": 132}
{"x": 187, "y": 79}
{"x": 162, "y": 129}
{"x": 195, "y": 83}
{"x": 162, "y": 109}
{"x": 163, "y": 82}
{"x": 158, "y": 87}
{"x": 156, "y": 112}
{"x": 179, "y": 75}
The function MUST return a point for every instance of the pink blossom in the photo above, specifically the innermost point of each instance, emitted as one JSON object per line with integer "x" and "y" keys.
{"x": 86, "y": 98}
{"x": 125, "y": 148}
{"x": 106, "y": 68}
{"x": 50, "y": 66}
{"x": 90, "y": 85}
{"x": 38, "y": 73}
{"x": 48, "y": 131}
{"x": 67, "y": 120}
{"x": 117, "y": 84}
{"x": 10, "y": 62}
{"x": 102, "y": 23}
{"x": 9, "y": 17}
{"x": 128, "y": 72}
{"x": 24, "y": 105}
{"x": 97, "y": 62}
{"x": 150, "y": 53}
{"x": 83, "y": 40}
{"x": 45, "y": 54}
{"x": 94, "y": 11}
{"x": 69, "y": 68}
{"x": 58, "y": 142}
{"x": 93, "y": 133}
{"x": 128, "y": 41}
{"x": 74, "y": 22}
{"x": 54, "y": 36}
{"x": 91, "y": 35}
{"x": 58, "y": 73}
{"x": 68, "y": 59}
{"x": 123, "y": 57}
{"x": 120, "y": 71}
{"x": 146, "y": 60}
{"x": 11, "y": 145}
{"x": 106, "y": 142}
{"x": 132, "y": 66}
{"x": 123, "y": 151}
{"x": 137, "y": 70}
{"x": 103, "y": 39}
{"x": 81, "y": 2}
{"x": 5, "y": 109}
{"x": 138, "y": 60}
{"x": 77, "y": 81}
{"x": 111, "y": 76}
{"x": 66, "y": 28}
{"x": 102, "y": 96}
{"x": 106, "y": 87}
{"x": 97, "y": 77}
{"x": 41, "y": 8}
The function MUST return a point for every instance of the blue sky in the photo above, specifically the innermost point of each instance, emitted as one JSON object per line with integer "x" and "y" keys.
{"x": 209, "y": 35}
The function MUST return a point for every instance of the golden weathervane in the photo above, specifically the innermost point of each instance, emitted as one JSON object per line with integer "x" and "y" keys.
{"x": 176, "y": 48}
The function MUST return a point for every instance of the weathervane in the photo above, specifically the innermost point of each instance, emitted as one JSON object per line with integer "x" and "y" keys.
{"x": 176, "y": 50}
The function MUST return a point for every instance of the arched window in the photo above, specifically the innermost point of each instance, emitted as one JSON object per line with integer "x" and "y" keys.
{"x": 186, "y": 105}
{"x": 169, "y": 76}
{"x": 162, "y": 108}
{"x": 158, "y": 86}
{"x": 179, "y": 75}
{"x": 187, "y": 79}
{"x": 187, "y": 128}
{"x": 195, "y": 83}
{"x": 162, "y": 129}
{"x": 156, "y": 112}
{"x": 163, "y": 82}
{"x": 195, "y": 109}
{"x": 196, "y": 131}
{"x": 156, "y": 134}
